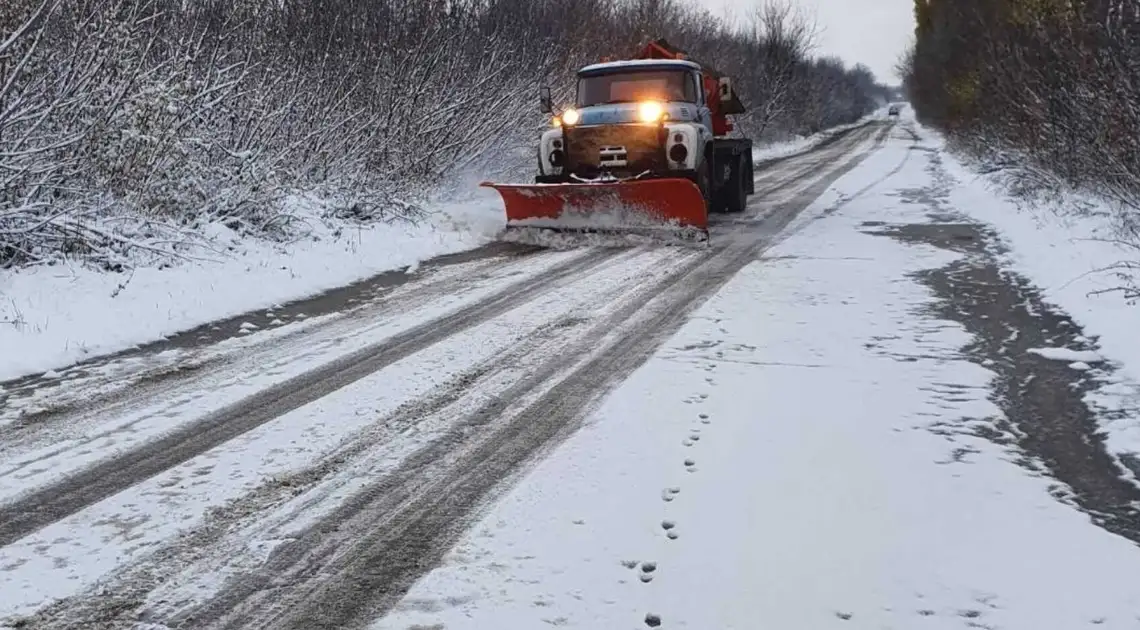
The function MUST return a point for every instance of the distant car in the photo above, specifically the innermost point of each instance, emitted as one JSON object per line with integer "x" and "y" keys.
{"x": 895, "y": 110}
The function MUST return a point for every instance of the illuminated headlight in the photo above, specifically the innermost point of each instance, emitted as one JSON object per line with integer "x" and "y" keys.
{"x": 650, "y": 111}
{"x": 570, "y": 117}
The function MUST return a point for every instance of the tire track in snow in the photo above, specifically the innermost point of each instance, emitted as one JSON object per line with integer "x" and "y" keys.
{"x": 386, "y": 535}
{"x": 47, "y": 505}
{"x": 193, "y": 564}
{"x": 35, "y": 401}
{"x": 155, "y": 390}
{"x": 358, "y": 562}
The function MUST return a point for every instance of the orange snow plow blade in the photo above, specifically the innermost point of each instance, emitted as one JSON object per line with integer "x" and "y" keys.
{"x": 669, "y": 208}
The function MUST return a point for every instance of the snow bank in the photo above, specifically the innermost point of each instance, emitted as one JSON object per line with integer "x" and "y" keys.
{"x": 803, "y": 144}
{"x": 53, "y": 316}
{"x": 801, "y": 455}
{"x": 1068, "y": 257}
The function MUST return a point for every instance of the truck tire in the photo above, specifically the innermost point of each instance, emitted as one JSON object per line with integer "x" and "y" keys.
{"x": 736, "y": 190}
{"x": 704, "y": 182}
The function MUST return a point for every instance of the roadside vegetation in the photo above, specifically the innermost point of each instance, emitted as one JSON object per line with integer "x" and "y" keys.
{"x": 1044, "y": 93}
{"x": 129, "y": 129}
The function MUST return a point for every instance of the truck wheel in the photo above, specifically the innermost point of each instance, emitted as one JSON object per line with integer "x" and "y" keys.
{"x": 704, "y": 182}
{"x": 736, "y": 190}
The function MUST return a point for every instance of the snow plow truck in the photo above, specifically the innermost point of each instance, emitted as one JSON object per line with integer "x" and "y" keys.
{"x": 645, "y": 149}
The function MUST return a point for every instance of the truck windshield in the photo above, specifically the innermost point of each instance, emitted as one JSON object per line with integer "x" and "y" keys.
{"x": 631, "y": 86}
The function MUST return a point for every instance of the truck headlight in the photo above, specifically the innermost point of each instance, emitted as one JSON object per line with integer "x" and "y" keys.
{"x": 570, "y": 117}
{"x": 650, "y": 111}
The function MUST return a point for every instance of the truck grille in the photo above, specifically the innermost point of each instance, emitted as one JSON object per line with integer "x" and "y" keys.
{"x": 615, "y": 148}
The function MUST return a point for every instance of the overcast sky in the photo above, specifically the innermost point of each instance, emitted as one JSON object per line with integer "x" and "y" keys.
{"x": 871, "y": 32}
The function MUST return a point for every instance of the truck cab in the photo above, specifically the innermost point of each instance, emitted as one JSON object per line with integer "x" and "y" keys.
{"x": 629, "y": 118}
{"x": 656, "y": 117}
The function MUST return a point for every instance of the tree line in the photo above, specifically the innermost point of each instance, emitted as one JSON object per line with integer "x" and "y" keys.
{"x": 1045, "y": 91}
{"x": 126, "y": 125}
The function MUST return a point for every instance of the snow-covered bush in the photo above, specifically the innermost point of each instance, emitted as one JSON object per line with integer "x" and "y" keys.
{"x": 1047, "y": 93}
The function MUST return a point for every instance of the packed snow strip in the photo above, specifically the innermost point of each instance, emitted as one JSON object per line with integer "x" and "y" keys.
{"x": 777, "y": 465}
{"x": 1071, "y": 259}
{"x": 71, "y": 554}
{"x": 42, "y": 458}
{"x": 1065, "y": 354}
{"x": 54, "y": 316}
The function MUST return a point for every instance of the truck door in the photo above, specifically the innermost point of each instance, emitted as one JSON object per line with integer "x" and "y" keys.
{"x": 704, "y": 114}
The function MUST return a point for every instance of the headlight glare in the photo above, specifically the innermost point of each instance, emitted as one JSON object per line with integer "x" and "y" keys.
{"x": 570, "y": 117}
{"x": 650, "y": 111}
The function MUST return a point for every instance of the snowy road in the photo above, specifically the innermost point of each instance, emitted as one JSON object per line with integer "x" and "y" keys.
{"x": 819, "y": 421}
{"x": 155, "y": 474}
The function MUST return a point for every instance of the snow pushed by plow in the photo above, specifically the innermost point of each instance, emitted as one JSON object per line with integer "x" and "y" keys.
{"x": 634, "y": 206}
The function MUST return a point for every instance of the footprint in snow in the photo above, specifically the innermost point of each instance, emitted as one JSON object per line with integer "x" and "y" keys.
{"x": 652, "y": 620}
{"x": 670, "y": 529}
{"x": 647, "y": 569}
{"x": 668, "y": 494}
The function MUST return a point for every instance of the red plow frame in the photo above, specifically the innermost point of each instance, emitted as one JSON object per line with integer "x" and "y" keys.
{"x": 652, "y": 207}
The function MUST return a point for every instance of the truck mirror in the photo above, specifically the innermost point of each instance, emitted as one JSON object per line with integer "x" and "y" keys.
{"x": 725, "y": 88}
{"x": 545, "y": 100}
